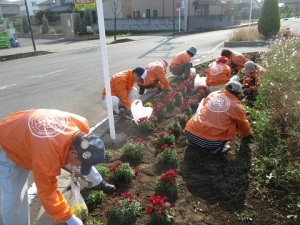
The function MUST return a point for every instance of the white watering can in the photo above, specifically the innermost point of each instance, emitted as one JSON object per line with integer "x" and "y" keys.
{"x": 139, "y": 111}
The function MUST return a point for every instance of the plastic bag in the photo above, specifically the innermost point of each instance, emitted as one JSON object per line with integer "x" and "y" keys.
{"x": 200, "y": 82}
{"x": 139, "y": 111}
{"x": 76, "y": 202}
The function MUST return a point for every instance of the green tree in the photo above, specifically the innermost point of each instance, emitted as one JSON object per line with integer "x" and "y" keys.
{"x": 87, "y": 20}
{"x": 45, "y": 25}
{"x": 269, "y": 20}
{"x": 25, "y": 25}
{"x": 39, "y": 16}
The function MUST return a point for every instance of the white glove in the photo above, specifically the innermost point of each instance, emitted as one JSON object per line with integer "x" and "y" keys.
{"x": 74, "y": 221}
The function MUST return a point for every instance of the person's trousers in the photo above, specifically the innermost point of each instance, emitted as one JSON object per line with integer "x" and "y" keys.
{"x": 116, "y": 101}
{"x": 184, "y": 68}
{"x": 14, "y": 192}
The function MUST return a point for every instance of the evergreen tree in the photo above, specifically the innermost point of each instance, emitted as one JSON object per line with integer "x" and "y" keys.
{"x": 25, "y": 25}
{"x": 39, "y": 16}
{"x": 269, "y": 20}
{"x": 45, "y": 25}
{"x": 87, "y": 16}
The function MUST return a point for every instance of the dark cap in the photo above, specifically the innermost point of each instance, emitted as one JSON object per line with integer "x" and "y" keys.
{"x": 139, "y": 71}
{"x": 91, "y": 151}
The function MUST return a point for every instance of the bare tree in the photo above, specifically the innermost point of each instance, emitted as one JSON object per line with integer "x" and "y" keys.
{"x": 116, "y": 7}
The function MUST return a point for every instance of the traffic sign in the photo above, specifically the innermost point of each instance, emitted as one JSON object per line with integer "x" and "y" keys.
{"x": 178, "y": 5}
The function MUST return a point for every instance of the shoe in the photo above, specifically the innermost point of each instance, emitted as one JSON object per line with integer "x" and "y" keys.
{"x": 190, "y": 144}
{"x": 116, "y": 115}
{"x": 122, "y": 108}
{"x": 106, "y": 187}
{"x": 225, "y": 149}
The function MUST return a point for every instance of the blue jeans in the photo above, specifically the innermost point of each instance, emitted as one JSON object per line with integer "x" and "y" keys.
{"x": 14, "y": 192}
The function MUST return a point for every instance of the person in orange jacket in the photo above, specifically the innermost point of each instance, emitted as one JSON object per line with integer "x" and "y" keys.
{"x": 43, "y": 141}
{"x": 181, "y": 63}
{"x": 220, "y": 116}
{"x": 123, "y": 91}
{"x": 153, "y": 75}
{"x": 218, "y": 74}
{"x": 236, "y": 60}
{"x": 252, "y": 72}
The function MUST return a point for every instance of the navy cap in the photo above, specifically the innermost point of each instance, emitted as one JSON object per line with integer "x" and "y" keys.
{"x": 91, "y": 151}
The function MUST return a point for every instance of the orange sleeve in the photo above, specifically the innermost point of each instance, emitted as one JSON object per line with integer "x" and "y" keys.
{"x": 123, "y": 95}
{"x": 162, "y": 77}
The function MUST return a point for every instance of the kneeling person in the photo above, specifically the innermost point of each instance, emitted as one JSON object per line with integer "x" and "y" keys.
{"x": 221, "y": 115}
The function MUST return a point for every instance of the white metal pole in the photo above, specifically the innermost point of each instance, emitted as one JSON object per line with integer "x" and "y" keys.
{"x": 101, "y": 26}
{"x": 250, "y": 13}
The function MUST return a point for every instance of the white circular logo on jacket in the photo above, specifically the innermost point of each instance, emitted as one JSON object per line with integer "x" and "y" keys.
{"x": 216, "y": 69}
{"x": 219, "y": 103}
{"x": 47, "y": 124}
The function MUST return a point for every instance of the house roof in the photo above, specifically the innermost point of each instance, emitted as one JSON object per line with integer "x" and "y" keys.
{"x": 68, "y": 7}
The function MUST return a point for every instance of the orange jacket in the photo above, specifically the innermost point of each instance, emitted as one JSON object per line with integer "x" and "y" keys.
{"x": 182, "y": 57}
{"x": 121, "y": 85}
{"x": 156, "y": 71}
{"x": 39, "y": 140}
{"x": 218, "y": 74}
{"x": 237, "y": 60}
{"x": 221, "y": 116}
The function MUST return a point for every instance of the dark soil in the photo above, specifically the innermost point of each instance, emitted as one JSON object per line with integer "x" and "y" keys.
{"x": 214, "y": 189}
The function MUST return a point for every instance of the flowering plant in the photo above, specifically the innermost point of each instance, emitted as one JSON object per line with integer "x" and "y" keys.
{"x": 126, "y": 207}
{"x": 168, "y": 156}
{"x": 182, "y": 119}
{"x": 122, "y": 172}
{"x": 194, "y": 102}
{"x": 165, "y": 138}
{"x": 168, "y": 182}
{"x": 182, "y": 88}
{"x": 148, "y": 104}
{"x": 175, "y": 128}
{"x": 169, "y": 100}
{"x": 178, "y": 98}
{"x": 160, "y": 210}
{"x": 159, "y": 110}
{"x": 185, "y": 108}
{"x": 163, "y": 147}
{"x": 134, "y": 150}
{"x": 146, "y": 124}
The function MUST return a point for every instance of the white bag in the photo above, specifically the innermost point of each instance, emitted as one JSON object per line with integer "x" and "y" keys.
{"x": 139, "y": 111}
{"x": 199, "y": 81}
{"x": 76, "y": 202}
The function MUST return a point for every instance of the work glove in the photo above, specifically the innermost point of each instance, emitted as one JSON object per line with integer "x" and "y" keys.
{"x": 74, "y": 221}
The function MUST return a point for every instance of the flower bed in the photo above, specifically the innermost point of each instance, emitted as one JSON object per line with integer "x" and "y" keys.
{"x": 208, "y": 189}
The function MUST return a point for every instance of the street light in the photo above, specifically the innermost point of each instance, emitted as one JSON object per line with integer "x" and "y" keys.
{"x": 28, "y": 17}
{"x": 250, "y": 13}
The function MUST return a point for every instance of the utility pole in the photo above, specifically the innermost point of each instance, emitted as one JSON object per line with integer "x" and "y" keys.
{"x": 28, "y": 17}
{"x": 250, "y": 14}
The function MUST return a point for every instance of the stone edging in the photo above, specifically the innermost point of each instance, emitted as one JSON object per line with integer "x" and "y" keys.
{"x": 233, "y": 44}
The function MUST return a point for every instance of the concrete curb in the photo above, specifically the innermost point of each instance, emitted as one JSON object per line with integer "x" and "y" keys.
{"x": 236, "y": 44}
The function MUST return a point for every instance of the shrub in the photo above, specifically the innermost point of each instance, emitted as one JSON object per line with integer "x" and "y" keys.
{"x": 269, "y": 20}
{"x": 108, "y": 155}
{"x": 45, "y": 25}
{"x": 94, "y": 222}
{"x": 95, "y": 197}
{"x": 39, "y": 16}
{"x": 160, "y": 210}
{"x": 245, "y": 34}
{"x": 135, "y": 151}
{"x": 126, "y": 208}
{"x": 25, "y": 25}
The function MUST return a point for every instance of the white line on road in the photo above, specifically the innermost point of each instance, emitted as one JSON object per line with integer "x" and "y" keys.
{"x": 47, "y": 74}
{"x": 6, "y": 86}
